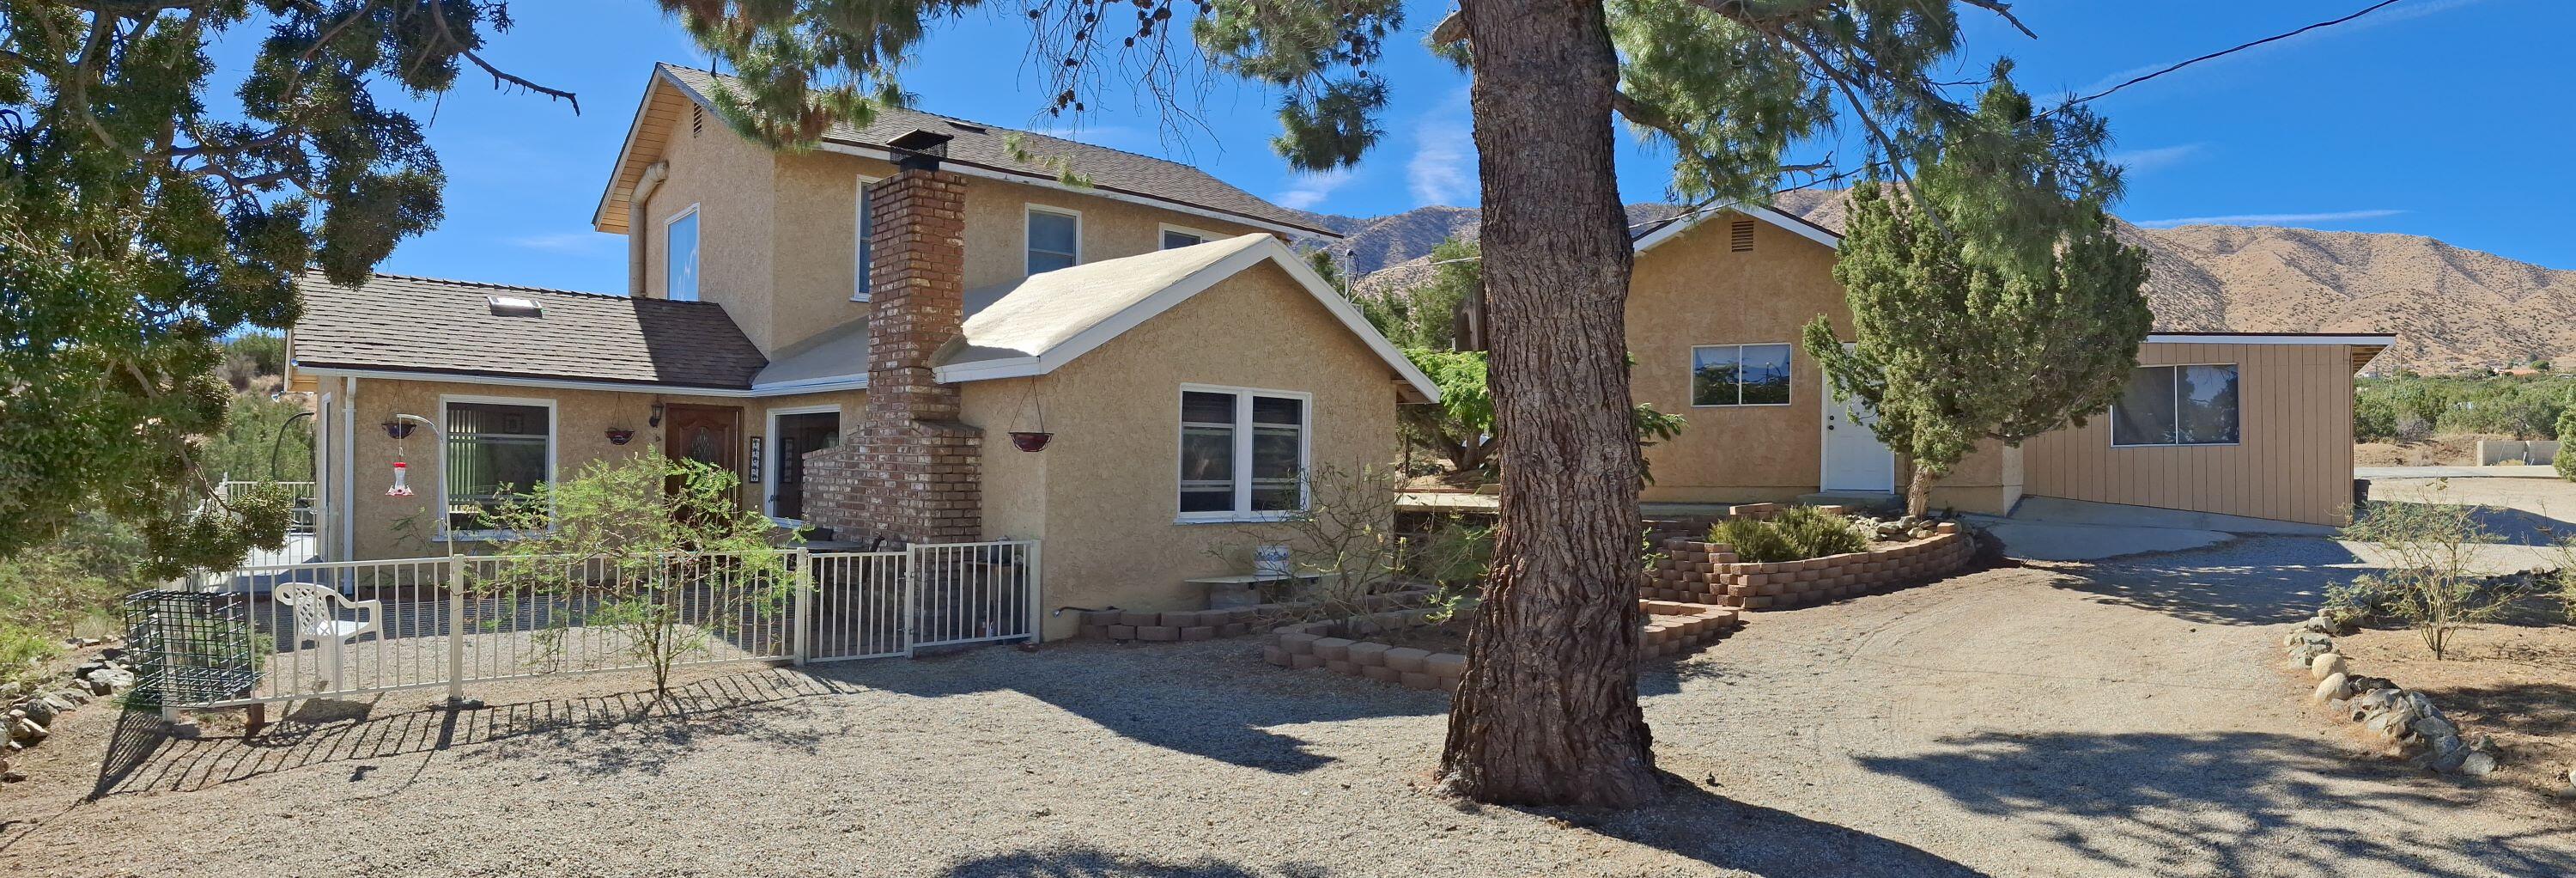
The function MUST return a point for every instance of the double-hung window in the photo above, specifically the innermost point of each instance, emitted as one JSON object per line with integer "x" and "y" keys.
{"x": 680, "y": 256}
{"x": 867, "y": 227}
{"x": 2177, "y": 405}
{"x": 1055, "y": 239}
{"x": 1740, "y": 374}
{"x": 1176, "y": 237}
{"x": 1243, "y": 453}
{"x": 495, "y": 452}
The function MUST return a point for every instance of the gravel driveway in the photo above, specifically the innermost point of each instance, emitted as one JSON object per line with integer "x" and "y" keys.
{"x": 2116, "y": 719}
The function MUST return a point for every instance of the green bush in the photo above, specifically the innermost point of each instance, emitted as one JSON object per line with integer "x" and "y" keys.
{"x": 2410, "y": 407}
{"x": 69, "y": 587}
{"x": 1798, "y": 533}
{"x": 2567, "y": 436}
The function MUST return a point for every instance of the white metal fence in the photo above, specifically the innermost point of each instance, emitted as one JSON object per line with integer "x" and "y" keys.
{"x": 342, "y": 628}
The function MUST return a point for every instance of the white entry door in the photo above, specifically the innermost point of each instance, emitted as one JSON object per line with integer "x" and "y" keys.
{"x": 1854, "y": 458}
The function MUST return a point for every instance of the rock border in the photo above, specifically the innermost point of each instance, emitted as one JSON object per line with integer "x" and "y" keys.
{"x": 30, "y": 717}
{"x": 1708, "y": 573}
{"x": 1671, "y": 629}
{"x": 2402, "y": 717}
{"x": 1181, "y": 625}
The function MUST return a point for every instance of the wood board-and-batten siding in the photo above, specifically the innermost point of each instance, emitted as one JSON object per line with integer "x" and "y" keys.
{"x": 2293, "y": 461}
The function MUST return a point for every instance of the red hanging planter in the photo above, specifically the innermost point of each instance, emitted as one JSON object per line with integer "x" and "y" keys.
{"x": 1030, "y": 441}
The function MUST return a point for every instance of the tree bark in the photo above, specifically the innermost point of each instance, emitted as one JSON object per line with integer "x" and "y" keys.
{"x": 1547, "y": 712}
{"x": 1918, "y": 491}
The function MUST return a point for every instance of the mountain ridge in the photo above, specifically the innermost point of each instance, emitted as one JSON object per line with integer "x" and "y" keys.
{"x": 2451, "y": 308}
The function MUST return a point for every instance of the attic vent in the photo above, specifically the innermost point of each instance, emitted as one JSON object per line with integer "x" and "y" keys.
{"x": 965, "y": 126}
{"x": 513, "y": 306}
{"x": 1743, "y": 240}
{"x": 697, "y": 119}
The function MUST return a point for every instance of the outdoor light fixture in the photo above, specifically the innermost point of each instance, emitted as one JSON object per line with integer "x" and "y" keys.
{"x": 656, "y": 420}
{"x": 620, "y": 436}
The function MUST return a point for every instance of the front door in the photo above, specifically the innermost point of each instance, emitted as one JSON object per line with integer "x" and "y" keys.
{"x": 1854, "y": 458}
{"x": 708, "y": 434}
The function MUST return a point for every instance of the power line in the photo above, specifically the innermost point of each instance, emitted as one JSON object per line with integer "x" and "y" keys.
{"x": 2375, "y": 7}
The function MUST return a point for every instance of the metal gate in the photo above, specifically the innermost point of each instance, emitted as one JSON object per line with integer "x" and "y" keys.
{"x": 879, "y": 604}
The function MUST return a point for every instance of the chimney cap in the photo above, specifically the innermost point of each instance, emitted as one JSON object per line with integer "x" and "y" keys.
{"x": 922, "y": 147}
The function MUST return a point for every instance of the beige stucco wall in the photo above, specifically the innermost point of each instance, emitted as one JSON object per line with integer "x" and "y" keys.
{"x": 1694, "y": 290}
{"x": 582, "y": 419}
{"x": 779, "y": 232}
{"x": 2294, "y": 462}
{"x": 1111, "y": 474}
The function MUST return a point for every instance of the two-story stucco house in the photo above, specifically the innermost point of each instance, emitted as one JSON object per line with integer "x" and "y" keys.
{"x": 2257, "y": 425}
{"x": 854, "y": 330}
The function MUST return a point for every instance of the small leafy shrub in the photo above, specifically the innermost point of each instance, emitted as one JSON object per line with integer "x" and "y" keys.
{"x": 1799, "y": 533}
{"x": 2430, "y": 583}
{"x": 2567, "y": 436}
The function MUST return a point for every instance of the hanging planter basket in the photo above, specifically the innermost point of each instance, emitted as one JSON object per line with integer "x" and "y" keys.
{"x": 1025, "y": 440}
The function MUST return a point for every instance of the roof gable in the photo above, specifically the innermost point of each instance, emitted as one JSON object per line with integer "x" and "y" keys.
{"x": 1050, "y": 319}
{"x": 1656, "y": 235}
{"x": 974, "y": 149}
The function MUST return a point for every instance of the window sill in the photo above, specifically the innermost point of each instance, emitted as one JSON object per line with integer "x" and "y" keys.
{"x": 1744, "y": 405}
{"x": 1239, "y": 518}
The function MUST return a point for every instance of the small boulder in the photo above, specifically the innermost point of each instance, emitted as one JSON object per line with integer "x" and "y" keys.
{"x": 2478, "y": 764}
{"x": 2326, "y": 665}
{"x": 2331, "y": 689}
{"x": 41, "y": 710}
{"x": 27, "y": 731}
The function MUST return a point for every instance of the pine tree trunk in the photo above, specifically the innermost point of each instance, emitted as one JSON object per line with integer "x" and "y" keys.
{"x": 1918, "y": 492}
{"x": 1547, "y": 712}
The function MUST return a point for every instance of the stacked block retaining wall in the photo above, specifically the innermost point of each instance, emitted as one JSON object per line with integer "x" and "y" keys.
{"x": 1708, "y": 573}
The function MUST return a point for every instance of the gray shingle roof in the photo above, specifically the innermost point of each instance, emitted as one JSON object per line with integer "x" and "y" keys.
{"x": 418, "y": 324}
{"x": 975, "y": 143}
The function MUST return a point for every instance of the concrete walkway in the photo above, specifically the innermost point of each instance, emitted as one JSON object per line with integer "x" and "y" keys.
{"x": 2052, "y": 529}
{"x": 2500, "y": 471}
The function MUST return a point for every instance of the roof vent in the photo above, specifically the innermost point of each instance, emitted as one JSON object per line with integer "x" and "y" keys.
{"x": 964, "y": 126}
{"x": 1743, "y": 241}
{"x": 697, "y": 119}
{"x": 514, "y": 306}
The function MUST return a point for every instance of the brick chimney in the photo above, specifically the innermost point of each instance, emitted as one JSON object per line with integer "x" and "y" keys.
{"x": 913, "y": 474}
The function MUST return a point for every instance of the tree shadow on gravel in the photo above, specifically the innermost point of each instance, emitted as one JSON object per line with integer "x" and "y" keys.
{"x": 326, "y": 732}
{"x": 1728, "y": 834}
{"x": 2227, "y": 804}
{"x": 2259, "y": 581}
{"x": 1215, "y": 699}
{"x": 1085, "y": 861}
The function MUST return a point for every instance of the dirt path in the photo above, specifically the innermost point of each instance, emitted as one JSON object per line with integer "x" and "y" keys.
{"x": 2078, "y": 721}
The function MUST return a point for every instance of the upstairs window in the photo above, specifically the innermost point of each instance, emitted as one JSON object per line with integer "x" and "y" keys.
{"x": 1243, "y": 454}
{"x": 1740, "y": 374}
{"x": 680, "y": 256}
{"x": 2177, "y": 405}
{"x": 1055, "y": 239}
{"x": 1176, "y": 237}
{"x": 495, "y": 452}
{"x": 867, "y": 229}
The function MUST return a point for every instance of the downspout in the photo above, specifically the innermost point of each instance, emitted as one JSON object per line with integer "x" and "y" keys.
{"x": 348, "y": 465}
{"x": 637, "y": 243}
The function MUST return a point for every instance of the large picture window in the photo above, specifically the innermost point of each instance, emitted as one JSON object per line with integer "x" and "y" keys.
{"x": 1740, "y": 374}
{"x": 1243, "y": 454}
{"x": 680, "y": 256}
{"x": 2177, "y": 405}
{"x": 495, "y": 451}
{"x": 1055, "y": 239}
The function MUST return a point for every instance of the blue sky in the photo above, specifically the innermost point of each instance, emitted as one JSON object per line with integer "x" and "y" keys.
{"x": 2433, "y": 117}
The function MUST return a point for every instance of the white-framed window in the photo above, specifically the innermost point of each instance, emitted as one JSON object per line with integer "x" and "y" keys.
{"x": 1739, "y": 374}
{"x": 1244, "y": 453}
{"x": 495, "y": 448}
{"x": 680, "y": 256}
{"x": 1176, "y": 237}
{"x": 2185, "y": 404}
{"x": 867, "y": 228}
{"x": 1054, "y": 237}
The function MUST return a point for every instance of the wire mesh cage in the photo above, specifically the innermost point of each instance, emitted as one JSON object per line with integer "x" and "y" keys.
{"x": 189, "y": 647}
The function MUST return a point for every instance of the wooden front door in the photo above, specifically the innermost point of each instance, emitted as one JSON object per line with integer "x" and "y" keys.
{"x": 708, "y": 434}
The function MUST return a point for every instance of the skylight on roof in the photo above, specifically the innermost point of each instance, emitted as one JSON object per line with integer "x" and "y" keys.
{"x": 514, "y": 306}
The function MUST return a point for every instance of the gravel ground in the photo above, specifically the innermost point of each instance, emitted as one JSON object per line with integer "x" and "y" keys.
{"x": 2113, "y": 719}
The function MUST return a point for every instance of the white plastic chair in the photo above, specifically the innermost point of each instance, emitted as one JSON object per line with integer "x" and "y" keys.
{"x": 317, "y": 618}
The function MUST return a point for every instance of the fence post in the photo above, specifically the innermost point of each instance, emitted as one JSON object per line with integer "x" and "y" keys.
{"x": 455, "y": 630}
{"x": 800, "y": 604}
{"x": 1037, "y": 595}
{"x": 911, "y": 598}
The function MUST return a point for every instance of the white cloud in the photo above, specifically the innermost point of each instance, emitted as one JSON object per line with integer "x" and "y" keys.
{"x": 1443, "y": 169}
{"x": 2268, "y": 219}
{"x": 574, "y": 243}
{"x": 1306, "y": 190}
{"x": 2143, "y": 160}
